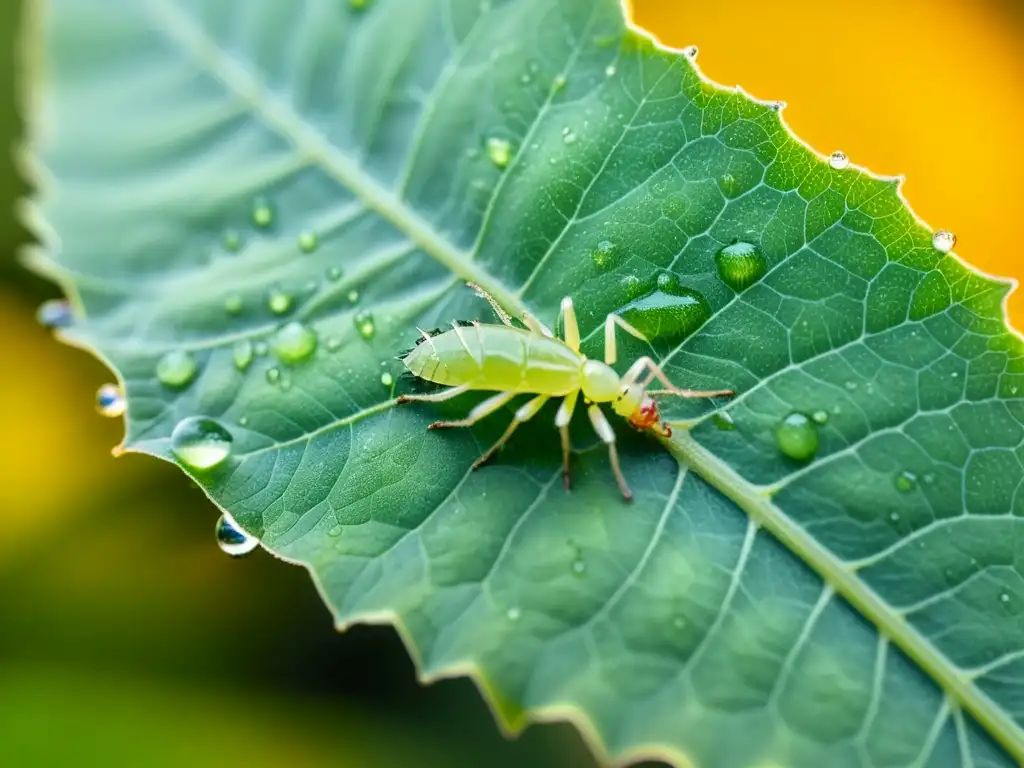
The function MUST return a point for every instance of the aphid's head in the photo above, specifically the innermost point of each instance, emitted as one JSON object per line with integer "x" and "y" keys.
{"x": 640, "y": 410}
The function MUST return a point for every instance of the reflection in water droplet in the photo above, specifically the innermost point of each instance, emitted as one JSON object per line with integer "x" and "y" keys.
{"x": 387, "y": 379}
{"x": 200, "y": 443}
{"x": 232, "y": 540}
{"x": 499, "y": 151}
{"x": 232, "y": 241}
{"x": 278, "y": 301}
{"x": 820, "y": 417}
{"x": 906, "y": 481}
{"x": 333, "y": 274}
{"x": 724, "y": 421}
{"x": 513, "y": 613}
{"x": 667, "y": 315}
{"x": 273, "y": 375}
{"x": 364, "y": 324}
{"x": 603, "y": 254}
{"x": 242, "y": 354}
{"x": 110, "y": 401}
{"x": 838, "y": 160}
{"x": 943, "y": 241}
{"x": 176, "y": 369}
{"x": 55, "y": 313}
{"x": 262, "y": 213}
{"x": 308, "y": 241}
{"x": 796, "y": 437}
{"x": 233, "y": 304}
{"x": 293, "y": 342}
{"x": 740, "y": 265}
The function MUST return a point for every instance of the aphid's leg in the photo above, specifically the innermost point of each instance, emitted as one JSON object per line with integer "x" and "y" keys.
{"x": 562, "y": 419}
{"x": 536, "y": 325}
{"x": 526, "y": 412}
{"x": 610, "y": 352}
{"x": 485, "y": 408}
{"x": 607, "y": 434}
{"x": 655, "y": 372}
{"x": 570, "y": 328}
{"x": 438, "y": 397}
{"x": 501, "y": 313}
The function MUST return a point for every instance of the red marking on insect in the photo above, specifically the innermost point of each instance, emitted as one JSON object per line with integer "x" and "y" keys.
{"x": 648, "y": 417}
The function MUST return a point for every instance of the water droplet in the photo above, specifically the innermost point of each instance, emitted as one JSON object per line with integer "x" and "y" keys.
{"x": 232, "y": 240}
{"x": 242, "y": 354}
{"x": 610, "y": 70}
{"x": 262, "y": 213}
{"x": 359, "y": 5}
{"x": 273, "y": 375}
{"x": 724, "y": 421}
{"x": 569, "y": 138}
{"x": 233, "y": 304}
{"x": 278, "y": 301}
{"x": 364, "y": 324}
{"x": 691, "y": 52}
{"x": 559, "y": 82}
{"x": 387, "y": 379}
{"x": 232, "y": 540}
{"x": 740, "y": 265}
{"x": 176, "y": 369}
{"x": 55, "y": 313}
{"x": 499, "y": 151}
{"x": 260, "y": 348}
{"x": 333, "y": 274}
{"x": 308, "y": 241}
{"x": 943, "y": 241}
{"x": 797, "y": 438}
{"x": 633, "y": 286}
{"x": 200, "y": 443}
{"x": 293, "y": 342}
{"x": 579, "y": 567}
{"x": 838, "y": 160}
{"x": 110, "y": 401}
{"x": 1004, "y": 597}
{"x": 667, "y": 315}
{"x": 820, "y": 417}
{"x": 894, "y": 516}
{"x": 669, "y": 283}
{"x": 243, "y": 421}
{"x": 333, "y": 343}
{"x": 851, "y": 385}
{"x": 353, "y": 296}
{"x": 514, "y": 613}
{"x": 905, "y": 481}
{"x": 603, "y": 254}
{"x": 929, "y": 478}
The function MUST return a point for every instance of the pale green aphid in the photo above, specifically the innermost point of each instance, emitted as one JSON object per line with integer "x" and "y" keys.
{"x": 516, "y": 361}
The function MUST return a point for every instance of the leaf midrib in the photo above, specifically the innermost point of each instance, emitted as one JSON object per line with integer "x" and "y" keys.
{"x": 754, "y": 501}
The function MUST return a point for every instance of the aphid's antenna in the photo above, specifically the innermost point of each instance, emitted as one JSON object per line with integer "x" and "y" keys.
{"x": 501, "y": 313}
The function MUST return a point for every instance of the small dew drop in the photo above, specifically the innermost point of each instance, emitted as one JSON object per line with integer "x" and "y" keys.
{"x": 905, "y": 481}
{"x": 894, "y": 516}
{"x": 333, "y": 274}
{"x": 110, "y": 401}
{"x": 1004, "y": 597}
{"x": 233, "y": 304}
{"x": 499, "y": 151}
{"x": 679, "y": 622}
{"x": 819, "y": 417}
{"x": 514, "y": 613}
{"x": 232, "y": 240}
{"x": 851, "y": 385}
{"x": 633, "y": 285}
{"x": 943, "y": 241}
{"x": 724, "y": 421}
{"x": 610, "y": 70}
{"x": 294, "y": 342}
{"x": 278, "y": 301}
{"x": 604, "y": 254}
{"x": 308, "y": 241}
{"x": 569, "y": 137}
{"x": 176, "y": 369}
{"x": 669, "y": 282}
{"x": 797, "y": 438}
{"x": 262, "y": 213}
{"x": 333, "y": 344}
{"x": 387, "y": 379}
{"x": 353, "y": 296}
{"x": 838, "y": 160}
{"x": 243, "y": 421}
{"x": 929, "y": 478}
{"x": 200, "y": 443}
{"x": 579, "y": 567}
{"x": 740, "y": 265}
{"x": 559, "y": 83}
{"x": 273, "y": 375}
{"x": 364, "y": 324}
{"x": 260, "y": 348}
{"x": 242, "y": 354}
{"x": 55, "y": 313}
{"x": 232, "y": 540}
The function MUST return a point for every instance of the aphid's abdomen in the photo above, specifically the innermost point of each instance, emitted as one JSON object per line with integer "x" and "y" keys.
{"x": 495, "y": 357}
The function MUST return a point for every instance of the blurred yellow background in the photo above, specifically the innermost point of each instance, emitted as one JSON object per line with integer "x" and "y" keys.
{"x": 127, "y": 638}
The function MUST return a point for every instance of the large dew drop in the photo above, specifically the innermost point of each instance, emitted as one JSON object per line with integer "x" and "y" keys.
{"x": 242, "y": 354}
{"x": 364, "y": 324}
{"x": 740, "y": 265}
{"x": 943, "y": 241}
{"x": 838, "y": 160}
{"x": 308, "y": 241}
{"x": 55, "y": 313}
{"x": 176, "y": 369}
{"x": 232, "y": 540}
{"x": 499, "y": 151}
{"x": 200, "y": 443}
{"x": 293, "y": 342}
{"x": 278, "y": 301}
{"x": 661, "y": 315}
{"x": 110, "y": 401}
{"x": 797, "y": 437}
{"x": 262, "y": 213}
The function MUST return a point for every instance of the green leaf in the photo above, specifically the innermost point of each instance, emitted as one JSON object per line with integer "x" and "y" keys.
{"x": 225, "y": 169}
